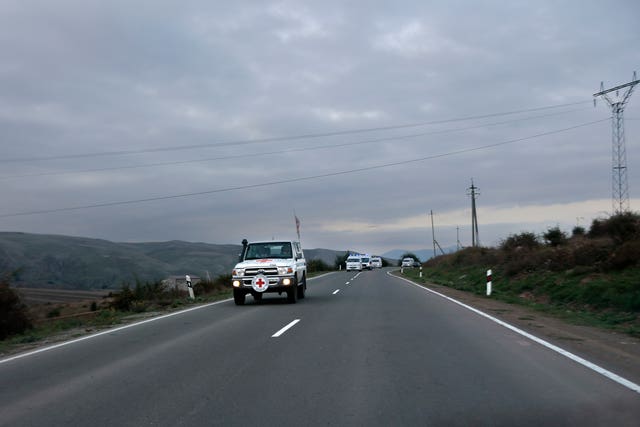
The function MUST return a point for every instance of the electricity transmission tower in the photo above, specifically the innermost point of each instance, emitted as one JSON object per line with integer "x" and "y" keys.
{"x": 472, "y": 191}
{"x": 620, "y": 186}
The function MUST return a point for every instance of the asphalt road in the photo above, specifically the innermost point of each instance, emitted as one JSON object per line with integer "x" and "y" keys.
{"x": 373, "y": 351}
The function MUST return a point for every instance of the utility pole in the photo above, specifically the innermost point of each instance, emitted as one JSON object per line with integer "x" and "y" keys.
{"x": 472, "y": 191}
{"x": 433, "y": 235}
{"x": 458, "y": 244}
{"x": 435, "y": 242}
{"x": 620, "y": 186}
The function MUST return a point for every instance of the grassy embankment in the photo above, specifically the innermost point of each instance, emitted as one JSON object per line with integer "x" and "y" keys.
{"x": 589, "y": 278}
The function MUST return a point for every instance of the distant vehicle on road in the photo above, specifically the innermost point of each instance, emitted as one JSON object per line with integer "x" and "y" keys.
{"x": 354, "y": 263}
{"x": 407, "y": 262}
{"x": 376, "y": 262}
{"x": 366, "y": 262}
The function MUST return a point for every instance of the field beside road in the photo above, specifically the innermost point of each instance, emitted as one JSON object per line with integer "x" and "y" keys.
{"x": 34, "y": 296}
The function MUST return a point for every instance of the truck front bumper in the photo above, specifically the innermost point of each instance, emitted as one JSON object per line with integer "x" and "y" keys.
{"x": 275, "y": 284}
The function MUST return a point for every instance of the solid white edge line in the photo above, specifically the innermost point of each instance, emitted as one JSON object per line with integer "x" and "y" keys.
{"x": 108, "y": 331}
{"x": 336, "y": 291}
{"x": 283, "y": 330}
{"x": 600, "y": 370}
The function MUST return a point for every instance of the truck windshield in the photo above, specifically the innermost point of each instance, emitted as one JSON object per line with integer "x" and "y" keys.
{"x": 269, "y": 250}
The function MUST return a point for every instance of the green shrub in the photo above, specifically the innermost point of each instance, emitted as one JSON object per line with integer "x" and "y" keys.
{"x": 220, "y": 283}
{"x": 525, "y": 240}
{"x": 621, "y": 227}
{"x": 122, "y": 300}
{"x": 555, "y": 237}
{"x": 54, "y": 313}
{"x": 592, "y": 252}
{"x": 14, "y": 317}
{"x": 626, "y": 255}
{"x": 340, "y": 260}
{"x": 473, "y": 256}
{"x": 315, "y": 265}
{"x": 578, "y": 231}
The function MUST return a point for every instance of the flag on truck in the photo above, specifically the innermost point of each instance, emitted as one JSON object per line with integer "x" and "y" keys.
{"x": 297, "y": 225}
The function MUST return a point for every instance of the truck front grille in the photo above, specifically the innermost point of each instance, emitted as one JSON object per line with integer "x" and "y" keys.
{"x": 270, "y": 271}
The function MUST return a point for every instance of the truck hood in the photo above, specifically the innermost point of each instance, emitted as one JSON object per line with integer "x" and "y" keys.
{"x": 266, "y": 262}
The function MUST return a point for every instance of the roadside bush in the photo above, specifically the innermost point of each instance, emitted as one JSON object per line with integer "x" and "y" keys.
{"x": 522, "y": 261}
{"x": 592, "y": 252}
{"x": 555, "y": 237}
{"x": 340, "y": 260}
{"x": 621, "y": 227}
{"x": 14, "y": 317}
{"x": 474, "y": 256}
{"x": 317, "y": 265}
{"x": 122, "y": 300}
{"x": 220, "y": 283}
{"x": 525, "y": 240}
{"x": 578, "y": 231}
{"x": 627, "y": 255}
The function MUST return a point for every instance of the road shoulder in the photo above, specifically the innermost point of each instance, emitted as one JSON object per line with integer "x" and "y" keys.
{"x": 616, "y": 352}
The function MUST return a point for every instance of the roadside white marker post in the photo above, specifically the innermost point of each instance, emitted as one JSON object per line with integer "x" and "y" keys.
{"x": 488, "y": 283}
{"x": 421, "y": 272}
{"x": 188, "y": 279}
{"x": 401, "y": 270}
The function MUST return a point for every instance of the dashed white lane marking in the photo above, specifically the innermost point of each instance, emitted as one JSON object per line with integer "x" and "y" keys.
{"x": 600, "y": 370}
{"x": 285, "y": 329}
{"x": 336, "y": 291}
{"x": 347, "y": 283}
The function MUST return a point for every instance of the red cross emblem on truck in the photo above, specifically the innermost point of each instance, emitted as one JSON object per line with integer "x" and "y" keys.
{"x": 260, "y": 282}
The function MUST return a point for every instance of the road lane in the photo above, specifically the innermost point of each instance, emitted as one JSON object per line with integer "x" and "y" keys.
{"x": 380, "y": 352}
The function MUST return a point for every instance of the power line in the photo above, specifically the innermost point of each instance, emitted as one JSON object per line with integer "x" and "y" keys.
{"x": 307, "y": 178}
{"x": 293, "y": 150}
{"x": 279, "y": 139}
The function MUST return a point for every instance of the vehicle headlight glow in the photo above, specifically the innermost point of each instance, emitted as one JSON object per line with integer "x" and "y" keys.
{"x": 236, "y": 283}
{"x": 286, "y": 282}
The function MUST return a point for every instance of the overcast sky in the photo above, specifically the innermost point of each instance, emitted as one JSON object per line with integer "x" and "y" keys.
{"x": 360, "y": 116}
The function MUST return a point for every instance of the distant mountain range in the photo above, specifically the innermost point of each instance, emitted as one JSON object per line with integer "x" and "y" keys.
{"x": 66, "y": 262}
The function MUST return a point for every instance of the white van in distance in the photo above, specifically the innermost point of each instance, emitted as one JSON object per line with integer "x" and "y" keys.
{"x": 354, "y": 263}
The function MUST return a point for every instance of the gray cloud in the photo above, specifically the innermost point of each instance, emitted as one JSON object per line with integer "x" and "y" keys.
{"x": 93, "y": 77}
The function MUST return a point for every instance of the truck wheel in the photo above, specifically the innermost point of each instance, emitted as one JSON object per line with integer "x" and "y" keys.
{"x": 302, "y": 288}
{"x": 238, "y": 297}
{"x": 292, "y": 293}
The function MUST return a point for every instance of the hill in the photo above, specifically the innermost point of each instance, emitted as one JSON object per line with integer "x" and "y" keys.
{"x": 65, "y": 262}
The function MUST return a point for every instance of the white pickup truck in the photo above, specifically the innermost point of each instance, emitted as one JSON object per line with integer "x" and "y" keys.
{"x": 270, "y": 267}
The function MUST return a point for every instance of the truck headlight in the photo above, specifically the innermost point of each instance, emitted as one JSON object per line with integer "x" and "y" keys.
{"x": 239, "y": 272}
{"x": 285, "y": 270}
{"x": 286, "y": 282}
{"x": 236, "y": 283}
